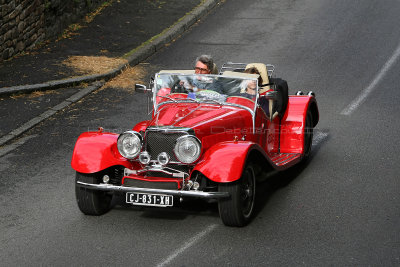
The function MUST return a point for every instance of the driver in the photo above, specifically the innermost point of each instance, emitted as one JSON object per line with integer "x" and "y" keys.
{"x": 204, "y": 64}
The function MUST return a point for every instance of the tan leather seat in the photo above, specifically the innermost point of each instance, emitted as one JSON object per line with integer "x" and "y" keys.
{"x": 262, "y": 69}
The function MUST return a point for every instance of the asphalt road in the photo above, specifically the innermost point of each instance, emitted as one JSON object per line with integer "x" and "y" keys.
{"x": 342, "y": 208}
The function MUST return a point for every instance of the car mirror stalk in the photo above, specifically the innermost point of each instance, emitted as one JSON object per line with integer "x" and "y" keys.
{"x": 140, "y": 88}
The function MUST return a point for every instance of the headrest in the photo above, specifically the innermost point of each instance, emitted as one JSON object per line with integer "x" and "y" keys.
{"x": 262, "y": 69}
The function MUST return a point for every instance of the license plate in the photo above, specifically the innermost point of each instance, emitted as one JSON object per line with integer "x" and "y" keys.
{"x": 143, "y": 199}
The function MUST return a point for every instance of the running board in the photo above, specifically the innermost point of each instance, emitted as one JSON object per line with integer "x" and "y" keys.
{"x": 281, "y": 159}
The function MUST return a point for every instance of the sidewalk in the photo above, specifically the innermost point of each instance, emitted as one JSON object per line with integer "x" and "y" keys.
{"x": 104, "y": 44}
{"x": 127, "y": 32}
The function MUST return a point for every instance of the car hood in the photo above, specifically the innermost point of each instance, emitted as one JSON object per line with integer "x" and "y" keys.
{"x": 202, "y": 117}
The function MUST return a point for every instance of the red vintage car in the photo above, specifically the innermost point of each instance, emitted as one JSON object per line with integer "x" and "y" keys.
{"x": 210, "y": 136}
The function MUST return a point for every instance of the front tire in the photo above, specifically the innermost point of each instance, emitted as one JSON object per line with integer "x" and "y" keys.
{"x": 238, "y": 209}
{"x": 91, "y": 202}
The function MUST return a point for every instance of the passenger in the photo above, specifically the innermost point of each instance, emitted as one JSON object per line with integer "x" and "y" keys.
{"x": 262, "y": 101}
{"x": 250, "y": 91}
{"x": 254, "y": 70}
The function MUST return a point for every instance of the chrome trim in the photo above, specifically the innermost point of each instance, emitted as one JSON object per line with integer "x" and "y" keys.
{"x": 157, "y": 168}
{"x": 311, "y": 93}
{"x": 177, "y": 193}
{"x": 172, "y": 129}
{"x": 154, "y": 161}
{"x": 242, "y": 66}
{"x": 194, "y": 110}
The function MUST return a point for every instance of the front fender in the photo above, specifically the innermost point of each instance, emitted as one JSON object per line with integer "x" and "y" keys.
{"x": 96, "y": 151}
{"x": 224, "y": 162}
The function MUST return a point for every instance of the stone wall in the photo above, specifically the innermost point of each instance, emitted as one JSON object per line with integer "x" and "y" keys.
{"x": 25, "y": 23}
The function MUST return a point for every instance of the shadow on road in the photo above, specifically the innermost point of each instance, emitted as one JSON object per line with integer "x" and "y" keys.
{"x": 275, "y": 180}
{"x": 272, "y": 182}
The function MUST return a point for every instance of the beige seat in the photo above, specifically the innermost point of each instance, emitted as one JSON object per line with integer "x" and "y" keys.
{"x": 262, "y": 69}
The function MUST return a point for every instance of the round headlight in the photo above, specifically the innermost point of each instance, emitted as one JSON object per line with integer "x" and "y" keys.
{"x": 187, "y": 149}
{"x": 129, "y": 144}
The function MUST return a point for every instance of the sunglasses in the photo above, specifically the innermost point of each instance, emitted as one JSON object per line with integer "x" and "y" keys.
{"x": 201, "y": 69}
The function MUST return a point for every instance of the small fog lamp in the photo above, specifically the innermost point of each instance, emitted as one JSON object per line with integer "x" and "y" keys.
{"x": 163, "y": 158}
{"x": 189, "y": 184}
{"x": 144, "y": 157}
{"x": 196, "y": 185}
{"x": 106, "y": 179}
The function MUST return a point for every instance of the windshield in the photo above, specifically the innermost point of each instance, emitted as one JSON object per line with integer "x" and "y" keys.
{"x": 217, "y": 89}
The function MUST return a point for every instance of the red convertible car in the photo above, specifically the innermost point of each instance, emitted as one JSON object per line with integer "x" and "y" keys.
{"x": 210, "y": 136}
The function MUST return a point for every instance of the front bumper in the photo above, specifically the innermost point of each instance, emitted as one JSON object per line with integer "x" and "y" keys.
{"x": 177, "y": 193}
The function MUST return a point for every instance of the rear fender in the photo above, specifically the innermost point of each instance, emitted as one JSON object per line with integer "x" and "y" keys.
{"x": 293, "y": 123}
{"x": 224, "y": 162}
{"x": 96, "y": 151}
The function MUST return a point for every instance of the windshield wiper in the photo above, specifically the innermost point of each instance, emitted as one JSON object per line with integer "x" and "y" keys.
{"x": 212, "y": 100}
{"x": 194, "y": 100}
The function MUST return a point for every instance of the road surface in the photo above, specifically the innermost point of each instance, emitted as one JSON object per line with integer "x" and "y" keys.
{"x": 342, "y": 208}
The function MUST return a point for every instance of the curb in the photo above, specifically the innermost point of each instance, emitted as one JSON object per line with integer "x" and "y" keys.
{"x": 50, "y": 112}
{"x": 141, "y": 53}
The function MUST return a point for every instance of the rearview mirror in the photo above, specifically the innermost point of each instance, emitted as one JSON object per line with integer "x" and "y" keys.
{"x": 140, "y": 88}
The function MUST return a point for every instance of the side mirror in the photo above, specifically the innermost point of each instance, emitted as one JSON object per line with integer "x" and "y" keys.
{"x": 140, "y": 88}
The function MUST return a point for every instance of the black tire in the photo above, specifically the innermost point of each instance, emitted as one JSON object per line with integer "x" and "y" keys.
{"x": 308, "y": 135}
{"x": 237, "y": 210}
{"x": 91, "y": 202}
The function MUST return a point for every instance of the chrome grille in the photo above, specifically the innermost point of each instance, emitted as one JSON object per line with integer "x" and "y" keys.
{"x": 162, "y": 141}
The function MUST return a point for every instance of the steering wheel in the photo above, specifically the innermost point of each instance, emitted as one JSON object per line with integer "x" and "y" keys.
{"x": 178, "y": 88}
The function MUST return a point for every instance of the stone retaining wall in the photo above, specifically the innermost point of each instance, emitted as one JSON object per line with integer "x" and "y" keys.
{"x": 25, "y": 23}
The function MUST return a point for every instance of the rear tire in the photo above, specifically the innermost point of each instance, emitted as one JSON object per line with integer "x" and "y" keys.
{"x": 91, "y": 202}
{"x": 237, "y": 210}
{"x": 308, "y": 135}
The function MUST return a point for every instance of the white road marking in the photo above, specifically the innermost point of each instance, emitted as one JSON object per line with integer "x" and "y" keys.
{"x": 364, "y": 94}
{"x": 6, "y": 149}
{"x": 187, "y": 245}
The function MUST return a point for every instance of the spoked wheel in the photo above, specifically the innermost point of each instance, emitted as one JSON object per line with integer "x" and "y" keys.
{"x": 308, "y": 135}
{"x": 91, "y": 202}
{"x": 238, "y": 208}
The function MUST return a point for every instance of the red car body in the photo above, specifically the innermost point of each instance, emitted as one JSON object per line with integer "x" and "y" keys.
{"x": 237, "y": 139}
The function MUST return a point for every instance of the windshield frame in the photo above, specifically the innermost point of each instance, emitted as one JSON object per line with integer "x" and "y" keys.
{"x": 233, "y": 75}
